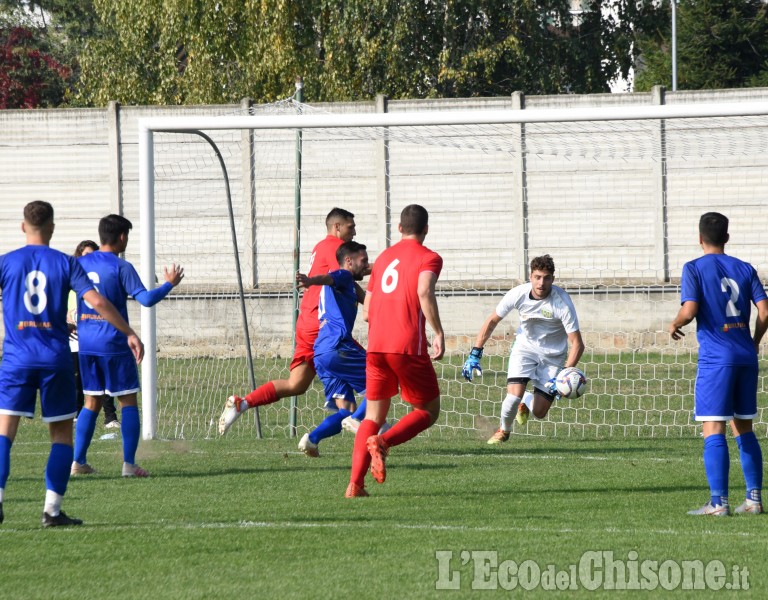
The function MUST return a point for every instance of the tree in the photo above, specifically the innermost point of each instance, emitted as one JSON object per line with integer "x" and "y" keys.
{"x": 720, "y": 44}
{"x": 53, "y": 31}
{"x": 30, "y": 77}
{"x": 195, "y": 51}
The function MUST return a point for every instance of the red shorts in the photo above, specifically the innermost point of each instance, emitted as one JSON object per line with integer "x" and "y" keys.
{"x": 305, "y": 349}
{"x": 414, "y": 374}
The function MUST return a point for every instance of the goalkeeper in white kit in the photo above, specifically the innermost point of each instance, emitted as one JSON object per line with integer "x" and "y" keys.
{"x": 548, "y": 325}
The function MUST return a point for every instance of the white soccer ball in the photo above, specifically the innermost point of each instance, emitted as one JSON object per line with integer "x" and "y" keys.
{"x": 571, "y": 383}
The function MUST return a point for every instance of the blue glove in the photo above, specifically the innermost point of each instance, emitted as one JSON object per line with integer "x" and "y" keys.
{"x": 551, "y": 387}
{"x": 472, "y": 364}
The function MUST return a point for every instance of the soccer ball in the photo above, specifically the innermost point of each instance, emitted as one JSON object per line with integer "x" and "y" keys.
{"x": 571, "y": 383}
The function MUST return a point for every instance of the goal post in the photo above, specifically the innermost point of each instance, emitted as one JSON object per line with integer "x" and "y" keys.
{"x": 613, "y": 194}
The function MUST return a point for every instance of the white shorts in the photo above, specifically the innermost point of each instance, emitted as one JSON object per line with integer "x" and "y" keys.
{"x": 531, "y": 365}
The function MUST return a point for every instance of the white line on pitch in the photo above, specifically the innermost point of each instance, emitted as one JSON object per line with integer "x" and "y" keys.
{"x": 154, "y": 526}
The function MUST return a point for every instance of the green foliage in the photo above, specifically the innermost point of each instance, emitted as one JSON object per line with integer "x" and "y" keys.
{"x": 194, "y": 51}
{"x": 200, "y": 52}
{"x": 720, "y": 44}
{"x": 56, "y": 32}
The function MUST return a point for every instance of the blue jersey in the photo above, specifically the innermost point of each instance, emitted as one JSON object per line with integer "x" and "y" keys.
{"x": 115, "y": 279}
{"x": 724, "y": 288}
{"x": 36, "y": 281}
{"x": 336, "y": 312}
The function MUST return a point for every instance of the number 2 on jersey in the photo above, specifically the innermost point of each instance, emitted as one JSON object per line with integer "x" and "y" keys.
{"x": 729, "y": 285}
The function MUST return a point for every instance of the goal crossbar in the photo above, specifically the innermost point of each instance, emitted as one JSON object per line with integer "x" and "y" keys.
{"x": 462, "y": 117}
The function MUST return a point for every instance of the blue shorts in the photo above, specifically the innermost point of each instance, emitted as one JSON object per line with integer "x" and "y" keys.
{"x": 342, "y": 373}
{"x": 18, "y": 393}
{"x": 109, "y": 375}
{"x": 725, "y": 392}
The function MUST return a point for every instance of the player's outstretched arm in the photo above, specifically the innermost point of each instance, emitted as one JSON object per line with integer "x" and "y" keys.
{"x": 173, "y": 277}
{"x": 428, "y": 302}
{"x": 303, "y": 282}
{"x": 107, "y": 310}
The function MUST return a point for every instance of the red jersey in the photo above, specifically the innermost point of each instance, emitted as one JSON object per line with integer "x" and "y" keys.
{"x": 396, "y": 324}
{"x": 322, "y": 261}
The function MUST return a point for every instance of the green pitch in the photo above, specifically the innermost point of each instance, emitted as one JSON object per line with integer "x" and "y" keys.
{"x": 239, "y": 518}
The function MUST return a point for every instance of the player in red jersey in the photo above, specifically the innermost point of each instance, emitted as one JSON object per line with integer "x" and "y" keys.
{"x": 340, "y": 224}
{"x": 399, "y": 300}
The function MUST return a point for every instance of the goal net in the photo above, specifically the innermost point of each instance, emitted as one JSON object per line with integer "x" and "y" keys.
{"x": 613, "y": 195}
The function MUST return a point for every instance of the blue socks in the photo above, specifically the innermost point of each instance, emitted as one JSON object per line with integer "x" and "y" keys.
{"x": 716, "y": 464}
{"x": 751, "y": 463}
{"x": 5, "y": 460}
{"x": 130, "y": 427}
{"x": 57, "y": 469}
{"x": 85, "y": 426}
{"x": 359, "y": 414}
{"x": 331, "y": 425}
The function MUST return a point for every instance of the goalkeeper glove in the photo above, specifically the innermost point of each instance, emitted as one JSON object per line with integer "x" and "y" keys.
{"x": 551, "y": 388}
{"x": 472, "y": 364}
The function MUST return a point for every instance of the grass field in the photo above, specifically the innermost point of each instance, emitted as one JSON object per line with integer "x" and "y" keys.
{"x": 255, "y": 518}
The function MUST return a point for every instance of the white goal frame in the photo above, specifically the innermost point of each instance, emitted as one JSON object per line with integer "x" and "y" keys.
{"x": 149, "y": 126}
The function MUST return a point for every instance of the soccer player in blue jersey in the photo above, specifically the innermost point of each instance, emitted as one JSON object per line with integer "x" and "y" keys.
{"x": 339, "y": 359}
{"x": 106, "y": 367}
{"x": 36, "y": 280}
{"x": 717, "y": 290}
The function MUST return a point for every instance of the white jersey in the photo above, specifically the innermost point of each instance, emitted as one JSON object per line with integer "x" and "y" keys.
{"x": 544, "y": 324}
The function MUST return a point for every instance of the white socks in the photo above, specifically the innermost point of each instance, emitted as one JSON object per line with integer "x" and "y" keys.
{"x": 52, "y": 503}
{"x": 509, "y": 411}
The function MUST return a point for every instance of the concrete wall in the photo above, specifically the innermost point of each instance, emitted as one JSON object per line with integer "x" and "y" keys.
{"x": 613, "y": 218}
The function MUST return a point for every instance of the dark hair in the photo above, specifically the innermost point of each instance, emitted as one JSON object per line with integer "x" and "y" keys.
{"x": 414, "y": 219}
{"x": 83, "y": 245}
{"x": 38, "y": 213}
{"x": 348, "y": 249}
{"x": 338, "y": 214}
{"x": 112, "y": 227}
{"x": 713, "y": 228}
{"x": 543, "y": 263}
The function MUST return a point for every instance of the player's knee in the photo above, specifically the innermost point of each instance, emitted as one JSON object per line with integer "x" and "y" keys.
{"x": 433, "y": 408}
{"x": 93, "y": 403}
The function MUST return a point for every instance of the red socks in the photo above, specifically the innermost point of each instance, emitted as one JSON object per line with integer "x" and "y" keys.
{"x": 361, "y": 459}
{"x": 264, "y": 394}
{"x": 407, "y": 428}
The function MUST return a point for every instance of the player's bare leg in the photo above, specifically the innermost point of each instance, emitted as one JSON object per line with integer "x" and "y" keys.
{"x": 541, "y": 403}
{"x": 298, "y": 383}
